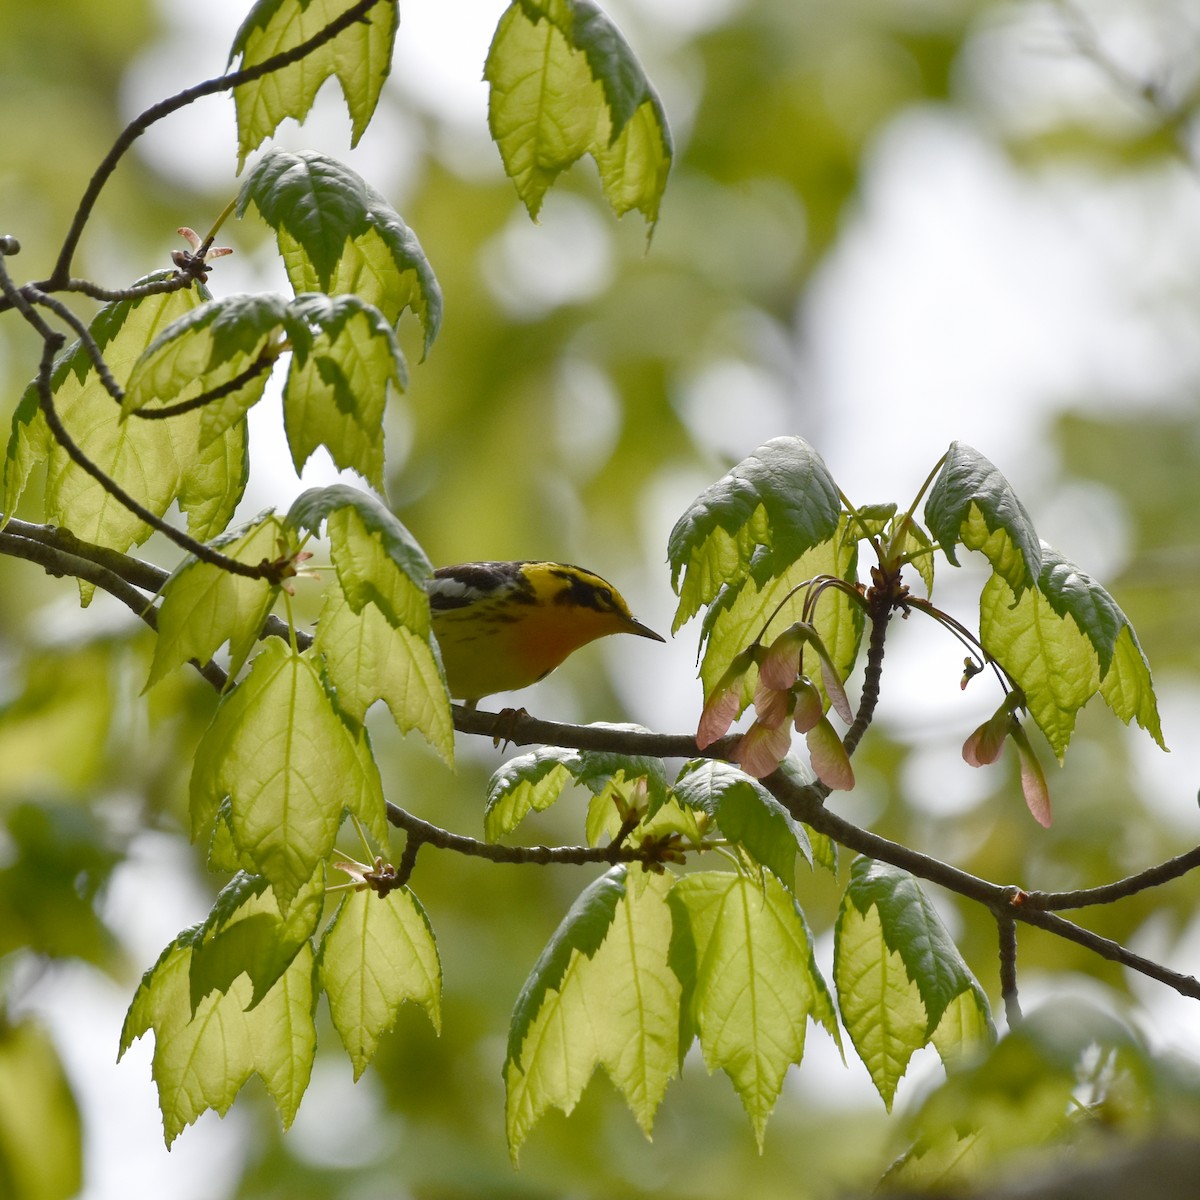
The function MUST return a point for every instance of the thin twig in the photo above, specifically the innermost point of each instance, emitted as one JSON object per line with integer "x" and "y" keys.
{"x": 175, "y": 281}
{"x": 210, "y": 87}
{"x": 53, "y": 549}
{"x": 86, "y": 340}
{"x": 1154, "y": 876}
{"x": 52, "y": 343}
{"x": 443, "y": 839}
{"x": 1006, "y": 927}
{"x": 59, "y": 563}
{"x": 258, "y": 367}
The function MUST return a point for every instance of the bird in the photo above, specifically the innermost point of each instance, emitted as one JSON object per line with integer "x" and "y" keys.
{"x": 501, "y": 626}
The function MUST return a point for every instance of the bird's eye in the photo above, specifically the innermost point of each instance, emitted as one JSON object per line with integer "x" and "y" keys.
{"x": 605, "y": 596}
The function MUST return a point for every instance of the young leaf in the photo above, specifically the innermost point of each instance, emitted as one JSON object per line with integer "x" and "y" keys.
{"x": 223, "y": 853}
{"x": 289, "y": 764}
{"x": 378, "y": 952}
{"x": 581, "y": 931}
{"x": 377, "y": 560}
{"x": 246, "y": 933}
{"x": 208, "y": 348}
{"x": 214, "y": 479}
{"x": 204, "y": 606}
{"x": 29, "y": 445}
{"x": 388, "y": 652}
{"x": 564, "y": 83}
{"x": 760, "y": 604}
{"x": 899, "y": 975}
{"x": 533, "y": 782}
{"x": 337, "y": 385}
{"x": 915, "y": 545}
{"x": 1064, "y": 641}
{"x": 601, "y": 994}
{"x": 972, "y": 503}
{"x": 367, "y": 659}
{"x": 336, "y": 234}
{"x": 747, "y": 813}
{"x": 528, "y": 782}
{"x": 359, "y": 57}
{"x": 157, "y": 462}
{"x": 750, "y": 979}
{"x": 780, "y": 502}
{"x": 201, "y": 1061}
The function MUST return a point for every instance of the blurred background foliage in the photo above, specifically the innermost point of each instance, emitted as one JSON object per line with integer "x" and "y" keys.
{"x": 585, "y": 386}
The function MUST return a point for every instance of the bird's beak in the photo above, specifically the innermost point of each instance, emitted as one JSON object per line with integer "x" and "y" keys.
{"x": 635, "y": 626}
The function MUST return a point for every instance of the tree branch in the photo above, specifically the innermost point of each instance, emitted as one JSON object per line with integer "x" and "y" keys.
{"x": 61, "y": 274}
{"x": 521, "y": 729}
{"x": 1154, "y": 876}
{"x": 52, "y": 343}
{"x": 443, "y": 839}
{"x": 1007, "y": 929}
{"x": 259, "y": 366}
{"x": 880, "y": 611}
{"x": 59, "y": 552}
{"x": 59, "y": 563}
{"x": 800, "y": 802}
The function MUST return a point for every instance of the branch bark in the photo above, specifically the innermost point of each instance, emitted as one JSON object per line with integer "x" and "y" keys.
{"x": 129, "y": 579}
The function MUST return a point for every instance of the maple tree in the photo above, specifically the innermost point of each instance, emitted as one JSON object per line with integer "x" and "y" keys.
{"x": 696, "y": 931}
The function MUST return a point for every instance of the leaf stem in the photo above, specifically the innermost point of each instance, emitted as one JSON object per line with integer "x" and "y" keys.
{"x": 224, "y": 215}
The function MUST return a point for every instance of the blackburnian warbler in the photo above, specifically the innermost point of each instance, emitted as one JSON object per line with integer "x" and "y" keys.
{"x": 505, "y": 625}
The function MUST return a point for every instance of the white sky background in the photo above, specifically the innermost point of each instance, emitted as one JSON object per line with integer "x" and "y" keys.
{"x": 965, "y": 300}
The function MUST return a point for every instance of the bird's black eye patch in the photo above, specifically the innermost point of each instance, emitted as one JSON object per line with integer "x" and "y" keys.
{"x": 583, "y": 593}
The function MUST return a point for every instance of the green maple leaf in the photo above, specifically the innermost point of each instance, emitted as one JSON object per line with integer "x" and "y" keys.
{"x": 208, "y": 348}
{"x": 601, "y": 994}
{"x": 1064, "y": 641}
{"x": 375, "y": 636}
{"x": 758, "y": 520}
{"x": 972, "y": 503}
{"x": 744, "y": 953}
{"x": 246, "y": 933}
{"x": 564, "y": 83}
{"x": 747, "y": 813}
{"x": 203, "y": 1058}
{"x": 534, "y": 781}
{"x": 205, "y": 606}
{"x": 338, "y": 235}
{"x": 157, "y": 462}
{"x": 378, "y": 953}
{"x": 337, "y": 386}
{"x": 290, "y": 765}
{"x": 359, "y": 57}
{"x": 901, "y": 981}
